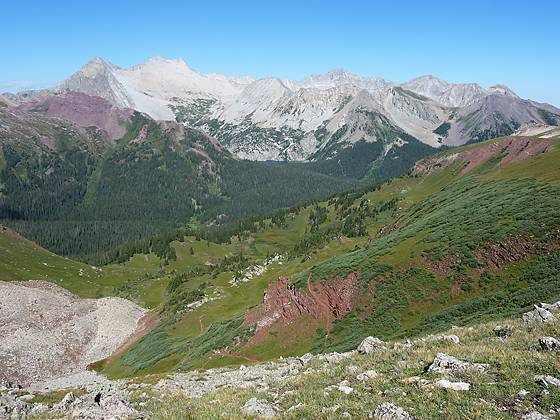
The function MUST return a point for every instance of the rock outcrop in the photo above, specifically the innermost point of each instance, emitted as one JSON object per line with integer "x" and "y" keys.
{"x": 511, "y": 149}
{"x": 538, "y": 315}
{"x": 445, "y": 363}
{"x": 390, "y": 411}
{"x": 370, "y": 344}
{"x": 283, "y": 301}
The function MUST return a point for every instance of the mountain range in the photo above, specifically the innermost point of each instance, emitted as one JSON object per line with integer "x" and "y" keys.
{"x": 311, "y": 119}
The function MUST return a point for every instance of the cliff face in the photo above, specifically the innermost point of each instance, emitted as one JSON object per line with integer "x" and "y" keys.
{"x": 283, "y": 302}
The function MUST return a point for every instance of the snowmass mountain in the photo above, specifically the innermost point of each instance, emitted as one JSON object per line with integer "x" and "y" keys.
{"x": 309, "y": 119}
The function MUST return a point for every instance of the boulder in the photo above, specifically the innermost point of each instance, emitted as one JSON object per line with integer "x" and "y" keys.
{"x": 258, "y": 408}
{"x": 12, "y": 406}
{"x": 370, "y": 344}
{"x": 549, "y": 344}
{"x": 66, "y": 402}
{"x": 352, "y": 369}
{"x": 445, "y": 363}
{"x": 538, "y": 315}
{"x": 502, "y": 331}
{"x": 522, "y": 393}
{"x": 390, "y": 411}
{"x": 405, "y": 345}
{"x": 306, "y": 358}
{"x": 367, "y": 375}
{"x": 456, "y": 386}
{"x": 295, "y": 407}
{"x": 345, "y": 389}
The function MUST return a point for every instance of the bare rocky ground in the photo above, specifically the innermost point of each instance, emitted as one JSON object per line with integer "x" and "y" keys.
{"x": 48, "y": 332}
{"x": 380, "y": 380}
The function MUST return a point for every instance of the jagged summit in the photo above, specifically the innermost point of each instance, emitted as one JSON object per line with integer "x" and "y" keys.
{"x": 318, "y": 115}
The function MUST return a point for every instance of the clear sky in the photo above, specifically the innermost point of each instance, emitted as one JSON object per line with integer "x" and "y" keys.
{"x": 512, "y": 42}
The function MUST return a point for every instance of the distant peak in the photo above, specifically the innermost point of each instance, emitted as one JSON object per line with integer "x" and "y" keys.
{"x": 96, "y": 65}
{"x": 502, "y": 90}
{"x": 158, "y": 59}
{"x": 339, "y": 72}
{"x": 428, "y": 78}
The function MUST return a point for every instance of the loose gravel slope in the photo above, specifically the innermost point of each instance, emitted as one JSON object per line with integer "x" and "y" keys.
{"x": 48, "y": 332}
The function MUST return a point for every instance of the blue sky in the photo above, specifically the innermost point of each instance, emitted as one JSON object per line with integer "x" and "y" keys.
{"x": 489, "y": 42}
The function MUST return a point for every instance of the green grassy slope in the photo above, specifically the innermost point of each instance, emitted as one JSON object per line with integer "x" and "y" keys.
{"x": 21, "y": 259}
{"x": 417, "y": 244}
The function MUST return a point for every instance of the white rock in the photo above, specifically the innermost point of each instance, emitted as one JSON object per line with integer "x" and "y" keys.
{"x": 445, "y": 363}
{"x": 390, "y": 411}
{"x": 332, "y": 409}
{"x": 549, "y": 344}
{"x": 306, "y": 358}
{"x": 456, "y": 386}
{"x": 258, "y": 408}
{"x": 370, "y": 344}
{"x": 535, "y": 415}
{"x": 538, "y": 315}
{"x": 367, "y": 375}
{"x": 547, "y": 380}
{"x": 345, "y": 389}
{"x": 523, "y": 393}
{"x": 440, "y": 337}
{"x": 295, "y": 407}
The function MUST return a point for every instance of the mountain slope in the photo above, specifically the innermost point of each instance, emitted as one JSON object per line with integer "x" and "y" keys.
{"x": 451, "y": 243}
{"x": 80, "y": 176}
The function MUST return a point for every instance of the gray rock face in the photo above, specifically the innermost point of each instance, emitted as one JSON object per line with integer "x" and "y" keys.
{"x": 389, "y": 411}
{"x": 538, "y": 315}
{"x": 259, "y": 408}
{"x": 445, "y": 363}
{"x": 549, "y": 344}
{"x": 370, "y": 344}
{"x": 251, "y": 116}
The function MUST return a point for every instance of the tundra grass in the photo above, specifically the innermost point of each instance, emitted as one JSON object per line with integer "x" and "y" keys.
{"x": 514, "y": 362}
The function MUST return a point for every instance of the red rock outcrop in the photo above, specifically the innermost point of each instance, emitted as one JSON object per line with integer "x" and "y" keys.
{"x": 322, "y": 300}
{"x": 513, "y": 149}
{"x": 511, "y": 250}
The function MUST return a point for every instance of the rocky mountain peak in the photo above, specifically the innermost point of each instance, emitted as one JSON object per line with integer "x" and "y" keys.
{"x": 502, "y": 90}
